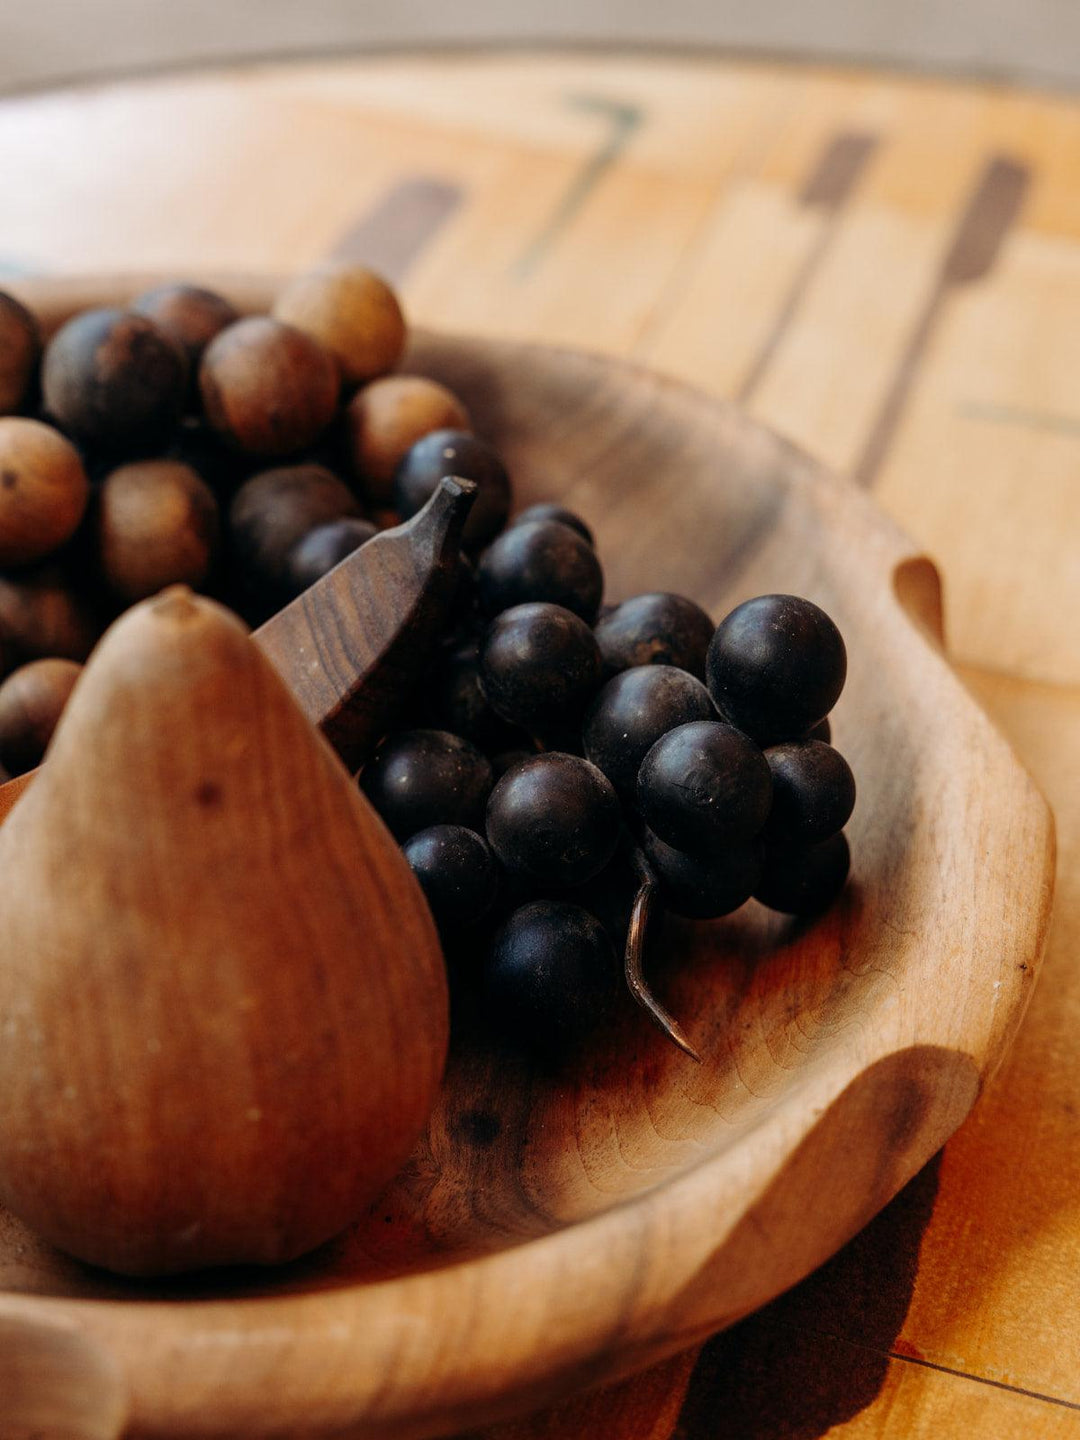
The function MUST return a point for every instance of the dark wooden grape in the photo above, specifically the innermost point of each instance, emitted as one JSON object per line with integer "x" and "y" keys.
{"x": 813, "y": 792}
{"x": 457, "y": 703}
{"x": 456, "y": 871}
{"x": 804, "y": 881}
{"x": 551, "y": 975}
{"x": 702, "y": 784}
{"x": 705, "y": 888}
{"x": 632, "y": 712}
{"x": 539, "y": 666}
{"x": 655, "y": 629}
{"x": 455, "y": 452}
{"x": 115, "y": 381}
{"x": 555, "y": 819}
{"x": 776, "y": 666}
{"x": 317, "y": 552}
{"x": 420, "y": 778}
{"x": 191, "y": 315}
{"x": 560, "y": 513}
{"x": 541, "y": 561}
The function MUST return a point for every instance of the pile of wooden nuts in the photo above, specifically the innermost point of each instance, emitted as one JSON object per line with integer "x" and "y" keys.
{"x": 176, "y": 441}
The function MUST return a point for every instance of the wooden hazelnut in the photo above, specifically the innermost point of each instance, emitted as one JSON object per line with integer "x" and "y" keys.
{"x": 42, "y": 615}
{"x": 386, "y": 418}
{"x": 32, "y": 699}
{"x": 275, "y": 509}
{"x": 268, "y": 388}
{"x": 43, "y": 490}
{"x": 157, "y": 525}
{"x": 191, "y": 315}
{"x": 354, "y": 313}
{"x": 20, "y": 351}
{"x": 113, "y": 379}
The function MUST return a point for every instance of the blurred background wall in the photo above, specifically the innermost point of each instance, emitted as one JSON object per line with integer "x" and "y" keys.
{"x": 43, "y": 41}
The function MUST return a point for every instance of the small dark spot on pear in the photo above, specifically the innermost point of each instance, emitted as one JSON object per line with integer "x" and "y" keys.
{"x": 209, "y": 794}
{"x": 9, "y": 479}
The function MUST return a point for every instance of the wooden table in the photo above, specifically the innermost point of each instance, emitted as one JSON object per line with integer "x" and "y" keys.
{"x": 886, "y": 269}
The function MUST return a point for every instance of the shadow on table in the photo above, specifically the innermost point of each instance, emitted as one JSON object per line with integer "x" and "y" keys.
{"x": 818, "y": 1355}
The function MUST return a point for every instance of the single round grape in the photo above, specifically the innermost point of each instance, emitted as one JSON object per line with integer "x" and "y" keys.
{"x": 705, "y": 888}
{"x": 776, "y": 666}
{"x": 554, "y": 818}
{"x": 541, "y": 561}
{"x": 550, "y": 976}
{"x": 539, "y": 665}
{"x": 655, "y": 629}
{"x": 550, "y": 511}
{"x": 420, "y": 778}
{"x": 804, "y": 880}
{"x": 702, "y": 784}
{"x": 316, "y": 553}
{"x": 456, "y": 871}
{"x": 813, "y": 792}
{"x": 455, "y": 452}
{"x": 632, "y": 712}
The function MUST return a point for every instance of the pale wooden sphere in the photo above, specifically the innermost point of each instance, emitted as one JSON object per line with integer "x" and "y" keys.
{"x": 157, "y": 525}
{"x": 388, "y": 416}
{"x": 43, "y": 490}
{"x": 267, "y": 387}
{"x": 32, "y": 699}
{"x": 20, "y": 351}
{"x": 353, "y": 312}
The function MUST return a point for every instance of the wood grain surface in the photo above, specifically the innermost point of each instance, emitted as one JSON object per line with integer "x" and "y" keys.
{"x": 859, "y": 256}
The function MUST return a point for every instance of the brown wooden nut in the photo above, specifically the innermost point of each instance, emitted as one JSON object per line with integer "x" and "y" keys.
{"x": 353, "y": 312}
{"x": 191, "y": 315}
{"x": 273, "y": 510}
{"x": 157, "y": 525}
{"x": 20, "y": 351}
{"x": 384, "y": 419}
{"x": 114, "y": 380}
{"x": 41, "y": 615}
{"x": 43, "y": 490}
{"x": 267, "y": 387}
{"x": 32, "y": 699}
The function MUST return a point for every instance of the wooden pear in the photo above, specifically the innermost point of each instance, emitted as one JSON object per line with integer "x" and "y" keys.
{"x": 223, "y": 1005}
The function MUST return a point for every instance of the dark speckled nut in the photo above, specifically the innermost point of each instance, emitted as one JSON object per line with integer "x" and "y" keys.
{"x": 191, "y": 316}
{"x": 20, "y": 350}
{"x": 114, "y": 380}
{"x": 655, "y": 629}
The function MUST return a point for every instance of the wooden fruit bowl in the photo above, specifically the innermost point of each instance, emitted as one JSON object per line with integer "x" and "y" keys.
{"x": 554, "y": 1231}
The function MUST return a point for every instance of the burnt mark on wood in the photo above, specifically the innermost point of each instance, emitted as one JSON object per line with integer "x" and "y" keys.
{"x": 623, "y": 119}
{"x": 991, "y": 212}
{"x": 392, "y": 235}
{"x": 829, "y": 188}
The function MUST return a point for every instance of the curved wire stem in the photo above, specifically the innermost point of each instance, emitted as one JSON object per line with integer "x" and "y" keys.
{"x": 636, "y": 940}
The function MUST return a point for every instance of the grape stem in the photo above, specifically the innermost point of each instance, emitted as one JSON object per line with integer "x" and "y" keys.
{"x": 636, "y": 941}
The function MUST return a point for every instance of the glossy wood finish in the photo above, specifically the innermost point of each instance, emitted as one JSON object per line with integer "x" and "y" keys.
{"x": 553, "y": 1231}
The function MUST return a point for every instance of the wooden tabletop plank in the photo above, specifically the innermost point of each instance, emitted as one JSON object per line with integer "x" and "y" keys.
{"x": 888, "y": 270}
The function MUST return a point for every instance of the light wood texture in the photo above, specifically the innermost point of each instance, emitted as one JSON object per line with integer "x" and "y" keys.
{"x": 837, "y": 1056}
{"x": 797, "y": 287}
{"x": 226, "y": 1009}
